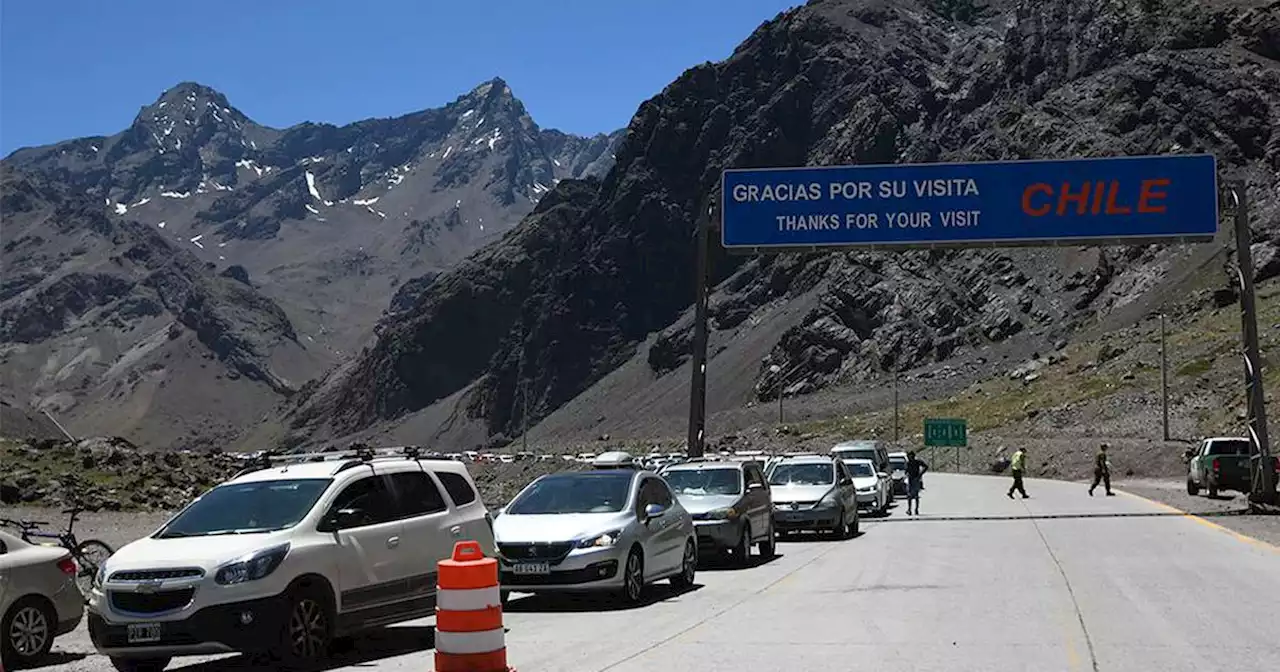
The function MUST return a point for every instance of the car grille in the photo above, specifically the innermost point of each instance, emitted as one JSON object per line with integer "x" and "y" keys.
{"x": 152, "y": 603}
{"x": 798, "y": 505}
{"x": 555, "y": 551}
{"x": 156, "y": 574}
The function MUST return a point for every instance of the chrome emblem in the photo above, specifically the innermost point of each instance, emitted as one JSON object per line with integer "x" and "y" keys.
{"x": 149, "y": 586}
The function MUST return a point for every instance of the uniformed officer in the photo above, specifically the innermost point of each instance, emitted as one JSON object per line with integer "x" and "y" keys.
{"x": 1018, "y": 465}
{"x": 1101, "y": 471}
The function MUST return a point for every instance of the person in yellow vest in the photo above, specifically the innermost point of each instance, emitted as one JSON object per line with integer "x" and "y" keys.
{"x": 1018, "y": 466}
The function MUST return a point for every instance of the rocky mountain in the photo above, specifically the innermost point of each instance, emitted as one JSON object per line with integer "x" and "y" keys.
{"x": 329, "y": 221}
{"x": 583, "y": 318}
{"x": 295, "y": 239}
{"x": 108, "y": 325}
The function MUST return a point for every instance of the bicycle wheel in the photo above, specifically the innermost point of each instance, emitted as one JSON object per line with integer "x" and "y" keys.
{"x": 90, "y": 555}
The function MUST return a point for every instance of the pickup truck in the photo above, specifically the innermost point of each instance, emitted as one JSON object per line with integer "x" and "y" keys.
{"x": 1219, "y": 464}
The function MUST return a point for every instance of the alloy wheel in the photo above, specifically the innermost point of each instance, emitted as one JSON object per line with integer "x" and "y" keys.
{"x": 690, "y": 564}
{"x": 29, "y": 632}
{"x": 634, "y": 578}
{"x": 308, "y": 629}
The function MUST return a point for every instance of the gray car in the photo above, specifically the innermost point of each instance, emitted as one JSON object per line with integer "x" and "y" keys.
{"x": 39, "y": 600}
{"x": 731, "y": 505}
{"x": 813, "y": 492}
{"x": 613, "y": 530}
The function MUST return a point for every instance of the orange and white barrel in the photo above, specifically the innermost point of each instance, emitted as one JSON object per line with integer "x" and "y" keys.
{"x": 470, "y": 636}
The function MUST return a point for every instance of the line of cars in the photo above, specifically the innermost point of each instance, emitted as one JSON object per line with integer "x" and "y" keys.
{"x": 288, "y": 555}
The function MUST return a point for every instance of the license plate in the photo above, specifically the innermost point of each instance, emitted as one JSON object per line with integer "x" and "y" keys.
{"x": 790, "y": 516}
{"x": 141, "y": 633}
{"x": 531, "y": 568}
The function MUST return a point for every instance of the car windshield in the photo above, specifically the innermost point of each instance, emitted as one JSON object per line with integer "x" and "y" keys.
{"x": 860, "y": 469}
{"x": 704, "y": 481}
{"x": 898, "y": 462}
{"x": 856, "y": 453}
{"x": 597, "y": 492}
{"x": 246, "y": 508}
{"x": 811, "y": 473}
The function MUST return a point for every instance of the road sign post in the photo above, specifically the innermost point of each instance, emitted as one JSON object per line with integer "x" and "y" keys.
{"x": 946, "y": 432}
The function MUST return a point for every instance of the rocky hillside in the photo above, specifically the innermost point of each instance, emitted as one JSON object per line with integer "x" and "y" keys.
{"x": 583, "y": 319}
{"x": 328, "y": 220}
{"x": 105, "y": 323}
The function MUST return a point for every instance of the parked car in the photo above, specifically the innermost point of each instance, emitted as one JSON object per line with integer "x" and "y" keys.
{"x": 813, "y": 492}
{"x": 614, "y": 530}
{"x": 1223, "y": 463}
{"x": 731, "y": 506}
{"x": 282, "y": 559}
{"x": 865, "y": 450}
{"x": 898, "y": 473}
{"x": 872, "y": 487}
{"x": 39, "y": 600}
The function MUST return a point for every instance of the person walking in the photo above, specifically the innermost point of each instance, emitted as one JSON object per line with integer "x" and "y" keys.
{"x": 916, "y": 469}
{"x": 1101, "y": 471}
{"x": 1018, "y": 466}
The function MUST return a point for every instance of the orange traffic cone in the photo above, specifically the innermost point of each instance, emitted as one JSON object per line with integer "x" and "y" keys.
{"x": 470, "y": 636}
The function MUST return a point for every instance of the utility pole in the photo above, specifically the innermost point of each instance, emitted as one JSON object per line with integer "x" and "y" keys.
{"x": 895, "y": 406}
{"x": 698, "y": 382}
{"x": 1164, "y": 380}
{"x": 1263, "y": 490}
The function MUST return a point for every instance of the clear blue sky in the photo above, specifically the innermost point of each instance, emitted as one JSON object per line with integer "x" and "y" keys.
{"x": 72, "y": 68}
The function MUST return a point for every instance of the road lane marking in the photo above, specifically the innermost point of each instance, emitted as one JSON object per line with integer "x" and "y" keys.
{"x": 1207, "y": 523}
{"x": 1073, "y": 657}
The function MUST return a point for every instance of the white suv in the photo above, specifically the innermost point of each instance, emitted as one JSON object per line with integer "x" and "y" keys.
{"x": 283, "y": 558}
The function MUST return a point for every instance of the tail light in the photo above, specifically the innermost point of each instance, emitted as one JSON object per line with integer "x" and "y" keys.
{"x": 68, "y": 566}
{"x": 1216, "y": 466}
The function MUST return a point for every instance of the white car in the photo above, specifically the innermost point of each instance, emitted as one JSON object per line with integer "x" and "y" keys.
{"x": 282, "y": 559}
{"x": 39, "y": 600}
{"x": 872, "y": 487}
{"x": 598, "y": 530}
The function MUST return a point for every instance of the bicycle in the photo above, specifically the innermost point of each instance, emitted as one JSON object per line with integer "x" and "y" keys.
{"x": 88, "y": 554}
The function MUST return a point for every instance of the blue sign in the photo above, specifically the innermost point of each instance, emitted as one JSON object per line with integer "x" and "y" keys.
{"x": 1144, "y": 199}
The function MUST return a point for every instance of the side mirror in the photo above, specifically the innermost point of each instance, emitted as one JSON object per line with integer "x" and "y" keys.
{"x": 846, "y": 481}
{"x": 341, "y": 520}
{"x": 882, "y": 474}
{"x": 654, "y": 511}
{"x": 755, "y": 486}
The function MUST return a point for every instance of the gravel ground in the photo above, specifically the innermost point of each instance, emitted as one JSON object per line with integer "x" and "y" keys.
{"x": 116, "y": 529}
{"x": 1227, "y": 510}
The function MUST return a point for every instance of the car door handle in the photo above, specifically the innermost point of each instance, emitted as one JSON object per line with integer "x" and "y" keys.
{"x": 456, "y": 530}
{"x": 393, "y": 542}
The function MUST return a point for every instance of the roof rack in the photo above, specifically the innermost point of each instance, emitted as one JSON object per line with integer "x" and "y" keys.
{"x": 361, "y": 452}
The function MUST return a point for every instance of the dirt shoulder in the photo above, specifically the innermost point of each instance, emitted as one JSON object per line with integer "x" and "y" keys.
{"x": 1228, "y": 510}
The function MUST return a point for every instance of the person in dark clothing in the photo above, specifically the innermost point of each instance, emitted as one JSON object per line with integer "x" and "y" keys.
{"x": 1101, "y": 471}
{"x": 1018, "y": 465}
{"x": 916, "y": 469}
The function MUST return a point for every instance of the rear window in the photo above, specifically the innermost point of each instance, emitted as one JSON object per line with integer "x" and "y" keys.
{"x": 460, "y": 491}
{"x": 1238, "y": 447}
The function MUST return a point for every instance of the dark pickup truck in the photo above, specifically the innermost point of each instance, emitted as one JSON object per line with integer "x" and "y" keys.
{"x": 1220, "y": 464}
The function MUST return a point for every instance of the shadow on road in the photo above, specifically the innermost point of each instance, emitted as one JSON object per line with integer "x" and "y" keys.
{"x": 56, "y": 658}
{"x": 550, "y": 603}
{"x": 724, "y": 563}
{"x": 361, "y": 650}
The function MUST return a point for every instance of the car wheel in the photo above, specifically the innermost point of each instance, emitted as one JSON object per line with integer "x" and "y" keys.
{"x": 1213, "y": 492}
{"x": 140, "y": 664}
{"x": 841, "y": 530}
{"x": 688, "y": 567}
{"x": 633, "y": 578}
{"x": 1192, "y": 488}
{"x": 853, "y": 528}
{"x": 769, "y": 547}
{"x": 308, "y": 629}
{"x": 504, "y": 596}
{"x": 27, "y": 631}
{"x": 742, "y": 553}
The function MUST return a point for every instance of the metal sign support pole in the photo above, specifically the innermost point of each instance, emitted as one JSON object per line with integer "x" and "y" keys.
{"x": 1263, "y": 487}
{"x": 1164, "y": 381}
{"x": 698, "y": 383}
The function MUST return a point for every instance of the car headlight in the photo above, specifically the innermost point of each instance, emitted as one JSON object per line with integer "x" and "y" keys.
{"x": 601, "y": 540}
{"x": 252, "y": 567}
{"x": 726, "y": 513}
{"x": 869, "y": 488}
{"x": 828, "y": 501}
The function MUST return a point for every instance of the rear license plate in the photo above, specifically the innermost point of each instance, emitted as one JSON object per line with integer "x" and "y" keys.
{"x": 141, "y": 633}
{"x": 531, "y": 568}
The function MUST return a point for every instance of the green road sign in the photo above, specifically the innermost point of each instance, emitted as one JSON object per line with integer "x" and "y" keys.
{"x": 945, "y": 432}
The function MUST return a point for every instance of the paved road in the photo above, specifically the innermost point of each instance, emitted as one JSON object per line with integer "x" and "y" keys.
{"x": 1061, "y": 581}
